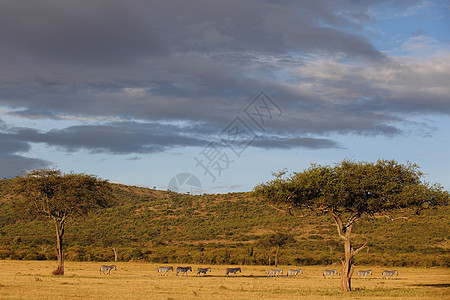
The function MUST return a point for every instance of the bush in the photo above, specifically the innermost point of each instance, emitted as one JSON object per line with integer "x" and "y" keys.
{"x": 4, "y": 254}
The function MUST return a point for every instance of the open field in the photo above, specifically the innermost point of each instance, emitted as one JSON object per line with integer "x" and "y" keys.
{"x": 33, "y": 279}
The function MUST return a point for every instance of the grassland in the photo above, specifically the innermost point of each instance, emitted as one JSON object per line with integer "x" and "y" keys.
{"x": 32, "y": 280}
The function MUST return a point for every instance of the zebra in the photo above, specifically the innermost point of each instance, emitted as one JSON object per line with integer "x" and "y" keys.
{"x": 233, "y": 270}
{"x": 389, "y": 274}
{"x": 201, "y": 270}
{"x": 329, "y": 272}
{"x": 364, "y": 273}
{"x": 108, "y": 269}
{"x": 275, "y": 272}
{"x": 292, "y": 272}
{"x": 164, "y": 270}
{"x": 183, "y": 270}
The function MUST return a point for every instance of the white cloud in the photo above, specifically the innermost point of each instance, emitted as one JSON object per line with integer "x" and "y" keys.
{"x": 425, "y": 46}
{"x": 406, "y": 84}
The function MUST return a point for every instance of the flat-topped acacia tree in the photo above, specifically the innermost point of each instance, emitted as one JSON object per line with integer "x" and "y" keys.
{"x": 349, "y": 190}
{"x": 60, "y": 197}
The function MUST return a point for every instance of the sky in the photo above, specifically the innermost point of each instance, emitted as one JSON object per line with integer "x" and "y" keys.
{"x": 207, "y": 96}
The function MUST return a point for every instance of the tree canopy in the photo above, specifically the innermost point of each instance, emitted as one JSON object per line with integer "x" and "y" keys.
{"x": 59, "y": 196}
{"x": 355, "y": 187}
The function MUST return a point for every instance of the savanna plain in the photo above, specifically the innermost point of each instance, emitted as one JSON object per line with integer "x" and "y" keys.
{"x": 140, "y": 280}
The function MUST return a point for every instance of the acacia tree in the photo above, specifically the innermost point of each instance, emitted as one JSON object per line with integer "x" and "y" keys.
{"x": 349, "y": 190}
{"x": 60, "y": 197}
{"x": 114, "y": 242}
{"x": 275, "y": 240}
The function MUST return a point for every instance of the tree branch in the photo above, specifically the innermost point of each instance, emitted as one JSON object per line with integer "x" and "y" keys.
{"x": 354, "y": 252}
{"x": 339, "y": 225}
{"x": 342, "y": 261}
{"x": 352, "y": 269}
{"x": 352, "y": 219}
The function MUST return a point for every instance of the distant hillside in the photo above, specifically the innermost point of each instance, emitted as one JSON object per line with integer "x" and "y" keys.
{"x": 163, "y": 226}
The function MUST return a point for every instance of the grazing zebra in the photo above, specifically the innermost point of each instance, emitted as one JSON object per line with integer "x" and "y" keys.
{"x": 200, "y": 270}
{"x": 183, "y": 270}
{"x": 233, "y": 270}
{"x": 275, "y": 272}
{"x": 389, "y": 274}
{"x": 364, "y": 273}
{"x": 329, "y": 272}
{"x": 292, "y": 272}
{"x": 108, "y": 269}
{"x": 164, "y": 270}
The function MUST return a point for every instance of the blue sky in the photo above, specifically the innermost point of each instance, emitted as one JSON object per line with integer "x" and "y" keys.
{"x": 227, "y": 92}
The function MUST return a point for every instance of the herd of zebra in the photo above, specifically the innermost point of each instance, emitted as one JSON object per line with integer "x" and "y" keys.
{"x": 385, "y": 273}
{"x": 273, "y": 272}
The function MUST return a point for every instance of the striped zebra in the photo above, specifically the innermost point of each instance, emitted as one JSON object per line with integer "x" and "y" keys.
{"x": 183, "y": 270}
{"x": 364, "y": 273}
{"x": 292, "y": 272}
{"x": 108, "y": 269}
{"x": 233, "y": 271}
{"x": 275, "y": 272}
{"x": 329, "y": 273}
{"x": 164, "y": 270}
{"x": 389, "y": 274}
{"x": 201, "y": 270}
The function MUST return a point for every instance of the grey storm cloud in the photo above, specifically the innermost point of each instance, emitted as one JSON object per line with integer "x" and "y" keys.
{"x": 13, "y": 165}
{"x": 139, "y": 138}
{"x": 200, "y": 63}
{"x": 289, "y": 143}
{"x": 11, "y": 160}
{"x": 112, "y": 138}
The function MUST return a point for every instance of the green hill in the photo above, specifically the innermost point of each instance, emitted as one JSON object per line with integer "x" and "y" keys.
{"x": 166, "y": 227}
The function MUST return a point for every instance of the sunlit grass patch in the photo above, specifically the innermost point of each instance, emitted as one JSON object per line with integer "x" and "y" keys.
{"x": 33, "y": 280}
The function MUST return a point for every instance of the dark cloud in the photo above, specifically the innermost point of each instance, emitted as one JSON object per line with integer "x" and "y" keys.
{"x": 324, "y": 39}
{"x": 121, "y": 138}
{"x": 196, "y": 65}
{"x": 139, "y": 138}
{"x": 96, "y": 33}
{"x": 289, "y": 143}
{"x": 9, "y": 144}
{"x": 11, "y": 164}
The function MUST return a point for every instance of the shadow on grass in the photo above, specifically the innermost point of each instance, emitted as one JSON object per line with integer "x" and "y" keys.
{"x": 437, "y": 285}
{"x": 240, "y": 276}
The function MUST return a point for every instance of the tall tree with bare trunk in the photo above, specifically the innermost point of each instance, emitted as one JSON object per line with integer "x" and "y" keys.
{"x": 60, "y": 198}
{"x": 349, "y": 190}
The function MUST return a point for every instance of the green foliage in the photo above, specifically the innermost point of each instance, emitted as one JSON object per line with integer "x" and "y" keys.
{"x": 56, "y": 195}
{"x": 359, "y": 188}
{"x": 276, "y": 240}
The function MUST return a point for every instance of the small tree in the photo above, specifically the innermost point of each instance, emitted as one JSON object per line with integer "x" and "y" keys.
{"x": 350, "y": 190}
{"x": 114, "y": 242}
{"x": 60, "y": 197}
{"x": 276, "y": 240}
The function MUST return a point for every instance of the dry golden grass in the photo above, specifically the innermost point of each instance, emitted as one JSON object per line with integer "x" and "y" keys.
{"x": 33, "y": 280}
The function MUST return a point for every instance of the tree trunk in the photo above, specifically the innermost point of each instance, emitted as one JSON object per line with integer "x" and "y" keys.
{"x": 347, "y": 266}
{"x": 116, "y": 252}
{"x": 276, "y": 256}
{"x": 59, "y": 247}
{"x": 270, "y": 257}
